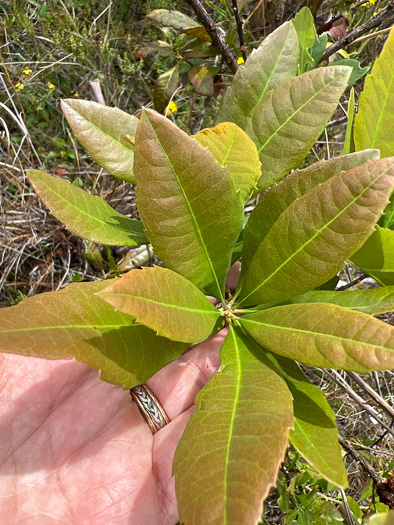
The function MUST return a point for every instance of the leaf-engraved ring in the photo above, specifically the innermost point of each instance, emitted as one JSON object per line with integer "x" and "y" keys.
{"x": 149, "y": 407}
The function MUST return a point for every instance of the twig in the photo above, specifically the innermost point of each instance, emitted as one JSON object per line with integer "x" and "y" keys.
{"x": 375, "y": 21}
{"x": 342, "y": 383}
{"x": 370, "y": 391}
{"x": 346, "y": 508}
{"x": 352, "y": 283}
{"x": 213, "y": 31}
{"x": 372, "y": 35}
{"x": 360, "y": 459}
{"x": 239, "y": 29}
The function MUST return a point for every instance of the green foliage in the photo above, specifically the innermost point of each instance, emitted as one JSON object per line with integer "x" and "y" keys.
{"x": 375, "y": 119}
{"x": 191, "y": 193}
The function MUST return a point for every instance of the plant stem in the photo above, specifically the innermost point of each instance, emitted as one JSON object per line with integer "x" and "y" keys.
{"x": 215, "y": 34}
{"x": 374, "y": 21}
{"x": 239, "y": 29}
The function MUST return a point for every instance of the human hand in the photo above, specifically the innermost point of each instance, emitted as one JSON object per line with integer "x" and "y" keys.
{"x": 75, "y": 449}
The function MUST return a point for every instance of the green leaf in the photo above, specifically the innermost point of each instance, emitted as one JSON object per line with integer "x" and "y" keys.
{"x": 373, "y": 301}
{"x": 295, "y": 185}
{"x": 188, "y": 203}
{"x": 230, "y": 452}
{"x": 317, "y": 233}
{"x": 76, "y": 324}
{"x": 232, "y": 147}
{"x": 274, "y": 61}
{"x": 172, "y": 18}
{"x": 387, "y": 220}
{"x": 375, "y": 120}
{"x": 315, "y": 434}
{"x": 319, "y": 47}
{"x": 103, "y": 132}
{"x": 376, "y": 256}
{"x": 165, "y": 87}
{"x": 358, "y": 71}
{"x": 291, "y": 117}
{"x": 199, "y": 32}
{"x": 348, "y": 146}
{"x": 324, "y": 335}
{"x": 305, "y": 26}
{"x": 86, "y": 215}
{"x": 165, "y": 302}
{"x": 383, "y": 518}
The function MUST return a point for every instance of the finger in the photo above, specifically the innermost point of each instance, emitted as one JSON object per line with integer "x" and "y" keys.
{"x": 233, "y": 276}
{"x": 177, "y": 384}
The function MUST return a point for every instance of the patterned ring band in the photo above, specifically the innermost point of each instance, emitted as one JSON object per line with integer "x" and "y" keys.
{"x": 149, "y": 407}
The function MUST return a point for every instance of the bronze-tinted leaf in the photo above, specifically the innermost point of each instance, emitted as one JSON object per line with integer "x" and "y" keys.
{"x": 324, "y": 335}
{"x": 231, "y": 450}
{"x": 290, "y": 118}
{"x": 188, "y": 203}
{"x": 295, "y": 185}
{"x": 165, "y": 302}
{"x": 317, "y": 233}
{"x": 76, "y": 324}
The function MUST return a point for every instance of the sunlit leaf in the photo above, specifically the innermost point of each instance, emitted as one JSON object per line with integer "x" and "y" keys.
{"x": 290, "y": 118}
{"x": 230, "y": 452}
{"x": 165, "y": 302}
{"x": 295, "y": 185}
{"x": 103, "y": 132}
{"x": 232, "y": 147}
{"x": 372, "y": 301}
{"x": 348, "y": 146}
{"x": 317, "y": 233}
{"x": 376, "y": 256}
{"x": 172, "y": 18}
{"x": 188, "y": 203}
{"x": 324, "y": 335}
{"x": 165, "y": 87}
{"x": 76, "y": 324}
{"x": 274, "y": 61}
{"x": 86, "y": 215}
{"x": 199, "y": 32}
{"x": 383, "y": 518}
{"x": 375, "y": 120}
{"x": 305, "y": 26}
{"x": 315, "y": 433}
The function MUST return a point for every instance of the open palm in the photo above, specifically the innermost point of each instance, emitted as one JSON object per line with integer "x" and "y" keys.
{"x": 74, "y": 449}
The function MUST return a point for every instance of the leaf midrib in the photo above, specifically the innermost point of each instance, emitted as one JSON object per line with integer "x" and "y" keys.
{"x": 335, "y": 77}
{"x": 233, "y": 416}
{"x": 95, "y": 218}
{"x": 165, "y": 305}
{"x": 96, "y": 327}
{"x": 270, "y": 76}
{"x": 308, "y": 332}
{"x": 317, "y": 234}
{"x": 197, "y": 229}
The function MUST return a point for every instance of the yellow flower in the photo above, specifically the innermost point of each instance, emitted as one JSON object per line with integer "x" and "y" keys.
{"x": 27, "y": 71}
{"x": 19, "y": 86}
{"x": 76, "y": 94}
{"x": 50, "y": 85}
{"x": 171, "y": 108}
{"x": 240, "y": 60}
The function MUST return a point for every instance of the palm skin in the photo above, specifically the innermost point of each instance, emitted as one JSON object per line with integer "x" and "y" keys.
{"x": 75, "y": 450}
